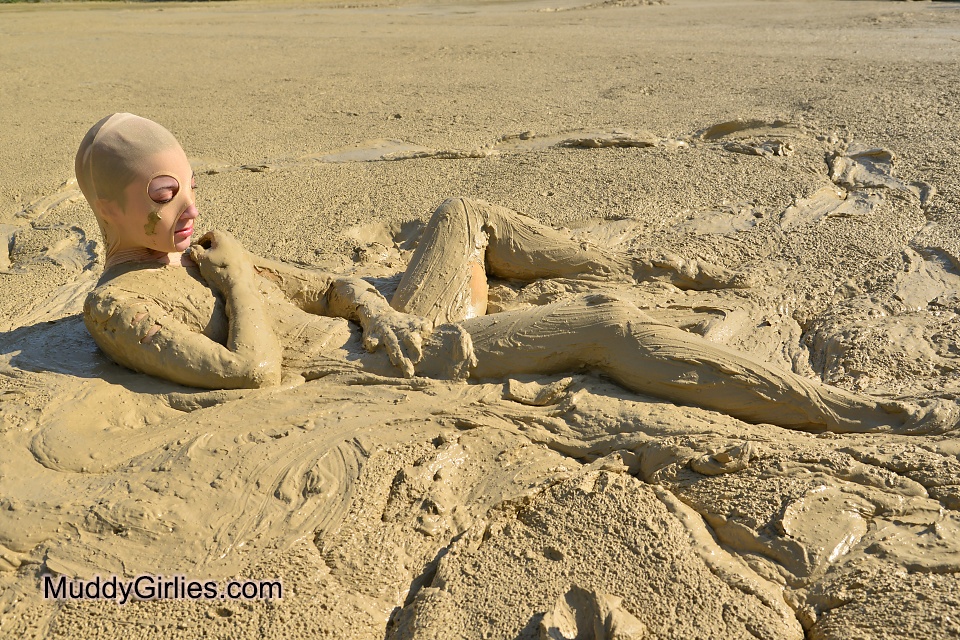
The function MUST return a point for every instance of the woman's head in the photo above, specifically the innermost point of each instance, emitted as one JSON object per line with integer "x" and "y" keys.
{"x": 139, "y": 184}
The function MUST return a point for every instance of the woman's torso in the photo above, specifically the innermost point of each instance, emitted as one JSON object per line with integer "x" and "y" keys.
{"x": 183, "y": 294}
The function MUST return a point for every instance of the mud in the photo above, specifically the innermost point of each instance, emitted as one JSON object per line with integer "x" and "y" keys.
{"x": 538, "y": 506}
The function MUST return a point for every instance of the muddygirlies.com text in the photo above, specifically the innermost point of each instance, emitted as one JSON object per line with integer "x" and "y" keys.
{"x": 149, "y": 587}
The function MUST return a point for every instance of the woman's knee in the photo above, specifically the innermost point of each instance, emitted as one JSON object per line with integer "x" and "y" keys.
{"x": 457, "y": 209}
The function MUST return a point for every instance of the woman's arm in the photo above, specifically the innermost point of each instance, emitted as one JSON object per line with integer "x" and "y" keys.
{"x": 306, "y": 289}
{"x": 400, "y": 334}
{"x": 139, "y": 334}
{"x": 226, "y": 266}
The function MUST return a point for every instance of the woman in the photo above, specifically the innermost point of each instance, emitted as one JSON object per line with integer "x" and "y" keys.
{"x": 212, "y": 315}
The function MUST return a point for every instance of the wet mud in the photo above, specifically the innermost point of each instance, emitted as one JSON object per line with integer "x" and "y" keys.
{"x": 535, "y": 506}
{"x": 711, "y": 514}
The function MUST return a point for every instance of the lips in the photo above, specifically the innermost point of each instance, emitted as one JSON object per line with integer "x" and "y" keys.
{"x": 184, "y": 231}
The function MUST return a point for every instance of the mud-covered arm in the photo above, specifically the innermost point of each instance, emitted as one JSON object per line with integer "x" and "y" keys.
{"x": 306, "y": 289}
{"x": 324, "y": 293}
{"x": 400, "y": 334}
{"x": 140, "y": 335}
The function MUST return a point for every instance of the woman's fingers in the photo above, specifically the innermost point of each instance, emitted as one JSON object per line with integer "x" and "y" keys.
{"x": 371, "y": 341}
{"x": 197, "y": 253}
{"x": 401, "y": 337}
{"x": 414, "y": 342}
{"x": 413, "y": 334}
{"x": 207, "y": 240}
{"x": 219, "y": 248}
{"x": 424, "y": 327}
{"x": 392, "y": 344}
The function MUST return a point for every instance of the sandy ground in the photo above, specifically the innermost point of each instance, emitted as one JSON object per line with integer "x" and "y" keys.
{"x": 325, "y": 134}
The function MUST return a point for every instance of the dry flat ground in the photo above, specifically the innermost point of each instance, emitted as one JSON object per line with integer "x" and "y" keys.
{"x": 324, "y": 133}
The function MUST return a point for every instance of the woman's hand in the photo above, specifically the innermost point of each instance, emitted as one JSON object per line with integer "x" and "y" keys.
{"x": 222, "y": 260}
{"x": 400, "y": 334}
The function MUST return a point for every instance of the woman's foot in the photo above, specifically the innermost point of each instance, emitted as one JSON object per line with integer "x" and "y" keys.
{"x": 686, "y": 273}
{"x": 933, "y": 416}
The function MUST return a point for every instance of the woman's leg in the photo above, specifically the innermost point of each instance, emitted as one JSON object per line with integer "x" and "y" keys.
{"x": 466, "y": 239}
{"x": 616, "y": 338}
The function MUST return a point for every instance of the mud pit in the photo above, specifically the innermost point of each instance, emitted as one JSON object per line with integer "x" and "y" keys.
{"x": 545, "y": 506}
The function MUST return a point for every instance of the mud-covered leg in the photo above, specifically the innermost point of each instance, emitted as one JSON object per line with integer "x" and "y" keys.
{"x": 466, "y": 239}
{"x": 439, "y": 282}
{"x": 686, "y": 273}
{"x": 602, "y": 333}
{"x": 523, "y": 249}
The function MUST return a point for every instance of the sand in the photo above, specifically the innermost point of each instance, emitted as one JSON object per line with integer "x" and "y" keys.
{"x": 812, "y": 145}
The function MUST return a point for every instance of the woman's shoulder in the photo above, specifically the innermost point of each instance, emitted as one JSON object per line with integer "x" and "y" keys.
{"x": 167, "y": 294}
{"x": 129, "y": 285}
{"x": 120, "y": 282}
{"x": 139, "y": 280}
{"x": 128, "y": 297}
{"x": 106, "y": 300}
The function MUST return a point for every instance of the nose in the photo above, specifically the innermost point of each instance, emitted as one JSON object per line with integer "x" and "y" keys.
{"x": 190, "y": 213}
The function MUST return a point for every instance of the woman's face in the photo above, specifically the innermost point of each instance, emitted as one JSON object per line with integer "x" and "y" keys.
{"x": 160, "y": 205}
